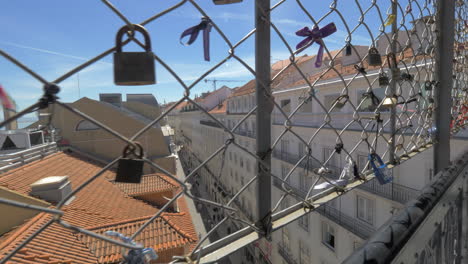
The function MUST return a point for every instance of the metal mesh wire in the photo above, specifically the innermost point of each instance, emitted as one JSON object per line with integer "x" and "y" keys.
{"x": 391, "y": 116}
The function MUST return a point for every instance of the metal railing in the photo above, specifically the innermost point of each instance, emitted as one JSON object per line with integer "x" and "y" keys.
{"x": 286, "y": 254}
{"x": 16, "y": 159}
{"x": 356, "y": 226}
{"x": 392, "y": 191}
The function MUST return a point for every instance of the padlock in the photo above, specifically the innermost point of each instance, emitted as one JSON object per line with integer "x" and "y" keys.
{"x": 383, "y": 79}
{"x": 396, "y": 74}
{"x": 406, "y": 76}
{"x": 134, "y": 68}
{"x": 130, "y": 170}
{"x": 381, "y": 171}
{"x": 374, "y": 58}
{"x": 428, "y": 86}
{"x": 348, "y": 50}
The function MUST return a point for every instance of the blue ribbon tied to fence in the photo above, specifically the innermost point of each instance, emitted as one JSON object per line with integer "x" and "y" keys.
{"x": 204, "y": 25}
{"x": 134, "y": 256}
{"x": 315, "y": 35}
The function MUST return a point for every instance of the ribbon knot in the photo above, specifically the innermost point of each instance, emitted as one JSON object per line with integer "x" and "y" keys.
{"x": 204, "y": 25}
{"x": 315, "y": 35}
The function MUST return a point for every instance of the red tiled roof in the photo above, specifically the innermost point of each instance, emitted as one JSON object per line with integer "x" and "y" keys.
{"x": 247, "y": 88}
{"x": 55, "y": 244}
{"x": 181, "y": 105}
{"x": 150, "y": 183}
{"x": 219, "y": 109}
{"x": 97, "y": 205}
{"x": 162, "y": 234}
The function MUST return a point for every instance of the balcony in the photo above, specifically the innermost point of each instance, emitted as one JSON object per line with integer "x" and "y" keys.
{"x": 245, "y": 133}
{"x": 392, "y": 191}
{"x": 210, "y": 123}
{"x": 299, "y": 191}
{"x": 354, "y": 225}
{"x": 293, "y": 159}
{"x": 286, "y": 254}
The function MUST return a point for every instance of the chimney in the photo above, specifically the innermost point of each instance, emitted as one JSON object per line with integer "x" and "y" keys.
{"x": 51, "y": 189}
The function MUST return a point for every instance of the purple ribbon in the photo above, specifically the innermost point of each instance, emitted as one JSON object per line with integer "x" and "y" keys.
{"x": 205, "y": 25}
{"x": 315, "y": 35}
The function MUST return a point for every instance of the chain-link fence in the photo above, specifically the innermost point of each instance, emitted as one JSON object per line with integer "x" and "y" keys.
{"x": 392, "y": 114}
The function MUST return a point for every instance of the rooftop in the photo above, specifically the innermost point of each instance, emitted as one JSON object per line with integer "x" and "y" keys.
{"x": 100, "y": 206}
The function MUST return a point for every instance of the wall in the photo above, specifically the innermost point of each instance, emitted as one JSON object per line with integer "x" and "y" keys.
{"x": 145, "y": 110}
{"x": 12, "y": 216}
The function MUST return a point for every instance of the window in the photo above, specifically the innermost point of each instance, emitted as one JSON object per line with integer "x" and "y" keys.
{"x": 334, "y": 163}
{"x": 286, "y": 105}
{"x": 329, "y": 101}
{"x": 365, "y": 209}
{"x": 230, "y": 156}
{"x": 328, "y": 235}
{"x": 356, "y": 245}
{"x": 85, "y": 125}
{"x": 241, "y": 161}
{"x": 368, "y": 102}
{"x": 304, "y": 222}
{"x": 304, "y": 254}
{"x": 284, "y": 172}
{"x": 235, "y": 158}
{"x": 284, "y": 148}
{"x": 247, "y": 165}
{"x": 304, "y": 181}
{"x": 361, "y": 162}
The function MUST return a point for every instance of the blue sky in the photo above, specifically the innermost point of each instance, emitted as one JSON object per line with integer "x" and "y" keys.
{"x": 54, "y": 36}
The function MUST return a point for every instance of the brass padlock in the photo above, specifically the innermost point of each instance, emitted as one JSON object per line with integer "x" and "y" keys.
{"x": 383, "y": 79}
{"x": 134, "y": 68}
{"x": 374, "y": 58}
{"x": 130, "y": 170}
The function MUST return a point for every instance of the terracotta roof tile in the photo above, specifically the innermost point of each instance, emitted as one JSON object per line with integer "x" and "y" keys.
{"x": 97, "y": 205}
{"x": 161, "y": 234}
{"x": 219, "y": 109}
{"x": 151, "y": 183}
{"x": 247, "y": 88}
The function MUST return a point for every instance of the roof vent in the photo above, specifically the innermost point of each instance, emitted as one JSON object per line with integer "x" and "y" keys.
{"x": 52, "y": 189}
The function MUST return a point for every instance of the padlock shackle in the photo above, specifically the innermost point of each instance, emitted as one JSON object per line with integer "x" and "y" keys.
{"x": 392, "y": 61}
{"x": 129, "y": 149}
{"x": 136, "y": 27}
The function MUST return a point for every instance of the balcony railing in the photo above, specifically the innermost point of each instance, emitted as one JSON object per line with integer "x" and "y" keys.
{"x": 246, "y": 133}
{"x": 209, "y": 123}
{"x": 354, "y": 225}
{"x": 313, "y": 164}
{"x": 392, "y": 191}
{"x": 16, "y": 159}
{"x": 299, "y": 191}
{"x": 286, "y": 254}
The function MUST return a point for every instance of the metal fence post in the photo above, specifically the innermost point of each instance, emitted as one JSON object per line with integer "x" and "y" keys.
{"x": 445, "y": 28}
{"x": 263, "y": 114}
{"x": 393, "y": 83}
